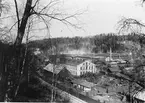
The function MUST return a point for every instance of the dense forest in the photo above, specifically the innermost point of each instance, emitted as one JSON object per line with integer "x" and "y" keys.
{"x": 93, "y": 44}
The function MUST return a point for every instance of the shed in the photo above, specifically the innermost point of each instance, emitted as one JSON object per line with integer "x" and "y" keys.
{"x": 83, "y": 84}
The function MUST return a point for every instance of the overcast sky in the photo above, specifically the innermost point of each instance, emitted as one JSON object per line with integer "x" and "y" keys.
{"x": 101, "y": 16}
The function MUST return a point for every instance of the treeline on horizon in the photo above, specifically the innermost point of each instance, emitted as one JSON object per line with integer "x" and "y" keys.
{"x": 95, "y": 44}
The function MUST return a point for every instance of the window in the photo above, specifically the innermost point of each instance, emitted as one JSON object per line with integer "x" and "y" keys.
{"x": 92, "y": 67}
{"x": 86, "y": 67}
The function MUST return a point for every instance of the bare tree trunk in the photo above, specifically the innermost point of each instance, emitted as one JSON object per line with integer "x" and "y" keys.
{"x": 3, "y": 78}
{"x": 21, "y": 29}
{"x": 23, "y": 70}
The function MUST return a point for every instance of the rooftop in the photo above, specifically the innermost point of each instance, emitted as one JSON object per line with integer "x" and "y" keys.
{"x": 65, "y": 74}
{"x": 54, "y": 69}
{"x": 73, "y": 62}
{"x": 83, "y": 83}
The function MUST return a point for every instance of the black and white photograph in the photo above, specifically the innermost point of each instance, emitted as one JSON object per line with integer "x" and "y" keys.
{"x": 72, "y": 51}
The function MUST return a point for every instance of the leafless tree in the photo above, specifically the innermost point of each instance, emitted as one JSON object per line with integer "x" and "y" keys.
{"x": 34, "y": 12}
{"x": 132, "y": 25}
{"x": 129, "y": 24}
{"x": 45, "y": 14}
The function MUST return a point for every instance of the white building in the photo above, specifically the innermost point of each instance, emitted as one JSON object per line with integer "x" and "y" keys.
{"x": 78, "y": 68}
{"x": 75, "y": 67}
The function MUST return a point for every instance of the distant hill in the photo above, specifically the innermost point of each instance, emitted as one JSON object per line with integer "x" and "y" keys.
{"x": 93, "y": 44}
{"x": 63, "y": 44}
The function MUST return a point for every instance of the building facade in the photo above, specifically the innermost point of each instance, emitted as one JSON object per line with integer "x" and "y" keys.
{"x": 75, "y": 66}
{"x": 81, "y": 68}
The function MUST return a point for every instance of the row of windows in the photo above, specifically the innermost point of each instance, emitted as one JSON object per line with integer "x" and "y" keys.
{"x": 86, "y": 68}
{"x": 83, "y": 72}
{"x": 87, "y": 63}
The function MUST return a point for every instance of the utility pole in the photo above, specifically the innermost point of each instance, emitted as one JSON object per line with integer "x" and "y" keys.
{"x": 111, "y": 54}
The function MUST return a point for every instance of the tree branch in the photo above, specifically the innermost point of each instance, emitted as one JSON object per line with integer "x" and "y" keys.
{"x": 46, "y": 24}
{"x": 26, "y": 15}
{"x": 35, "y": 4}
{"x": 17, "y": 13}
{"x": 49, "y": 5}
{"x": 63, "y": 19}
{"x": 126, "y": 24}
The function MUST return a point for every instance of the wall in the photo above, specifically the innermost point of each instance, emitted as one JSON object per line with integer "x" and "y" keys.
{"x": 85, "y": 67}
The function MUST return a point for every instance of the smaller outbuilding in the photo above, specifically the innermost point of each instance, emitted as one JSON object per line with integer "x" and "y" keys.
{"x": 83, "y": 84}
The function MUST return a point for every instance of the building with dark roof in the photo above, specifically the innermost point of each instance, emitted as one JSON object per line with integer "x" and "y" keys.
{"x": 75, "y": 67}
{"x": 79, "y": 67}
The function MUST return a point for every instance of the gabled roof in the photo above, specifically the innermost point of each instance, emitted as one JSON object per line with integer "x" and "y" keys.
{"x": 74, "y": 62}
{"x": 51, "y": 68}
{"x": 65, "y": 73}
{"x": 83, "y": 83}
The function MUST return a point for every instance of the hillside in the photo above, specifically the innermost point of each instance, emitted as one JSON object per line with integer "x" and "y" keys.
{"x": 93, "y": 44}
